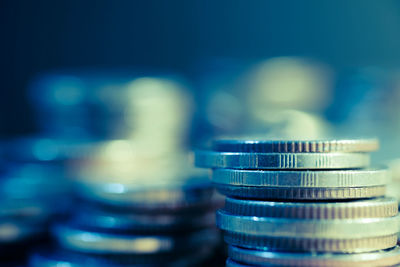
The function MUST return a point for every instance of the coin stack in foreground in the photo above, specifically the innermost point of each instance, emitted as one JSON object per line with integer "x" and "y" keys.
{"x": 303, "y": 203}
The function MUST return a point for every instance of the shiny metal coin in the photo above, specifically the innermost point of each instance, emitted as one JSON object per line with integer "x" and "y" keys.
{"x": 295, "y": 146}
{"x": 208, "y": 159}
{"x": 302, "y": 179}
{"x": 358, "y": 245}
{"x": 369, "y": 208}
{"x": 388, "y": 257}
{"x": 289, "y": 193}
{"x": 85, "y": 241}
{"x": 316, "y": 184}
{"x": 304, "y": 228}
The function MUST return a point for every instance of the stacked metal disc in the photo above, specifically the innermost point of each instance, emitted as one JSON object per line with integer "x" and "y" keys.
{"x": 139, "y": 203}
{"x": 121, "y": 225}
{"x": 303, "y": 203}
{"x": 34, "y": 192}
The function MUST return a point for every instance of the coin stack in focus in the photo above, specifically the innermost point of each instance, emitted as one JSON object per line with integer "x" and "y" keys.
{"x": 303, "y": 203}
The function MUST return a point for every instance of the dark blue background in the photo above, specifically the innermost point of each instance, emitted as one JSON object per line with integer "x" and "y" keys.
{"x": 42, "y": 35}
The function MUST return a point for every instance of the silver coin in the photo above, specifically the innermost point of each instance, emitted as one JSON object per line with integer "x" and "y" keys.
{"x": 208, "y": 159}
{"x": 369, "y": 208}
{"x": 295, "y": 146}
{"x": 85, "y": 241}
{"x": 303, "y": 228}
{"x": 358, "y": 245}
{"x": 295, "y": 193}
{"x": 388, "y": 257}
{"x": 301, "y": 179}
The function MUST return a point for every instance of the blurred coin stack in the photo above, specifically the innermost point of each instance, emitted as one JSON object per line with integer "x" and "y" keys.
{"x": 131, "y": 224}
{"x": 34, "y": 192}
{"x": 303, "y": 203}
{"x": 140, "y": 204}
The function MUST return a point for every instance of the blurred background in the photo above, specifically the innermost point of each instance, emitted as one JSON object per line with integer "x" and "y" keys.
{"x": 114, "y": 94}
{"x": 356, "y": 43}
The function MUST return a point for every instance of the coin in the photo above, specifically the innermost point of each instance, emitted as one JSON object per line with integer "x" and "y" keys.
{"x": 86, "y": 241}
{"x": 231, "y": 263}
{"x": 58, "y": 257}
{"x": 92, "y": 218}
{"x": 366, "y": 208}
{"x": 287, "y": 193}
{"x": 12, "y": 231}
{"x": 234, "y": 160}
{"x": 303, "y": 228}
{"x": 311, "y": 244}
{"x": 179, "y": 195}
{"x": 388, "y": 257}
{"x": 260, "y": 145}
{"x": 302, "y": 179}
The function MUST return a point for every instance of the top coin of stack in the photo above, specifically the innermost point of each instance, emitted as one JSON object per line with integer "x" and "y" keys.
{"x": 294, "y": 170}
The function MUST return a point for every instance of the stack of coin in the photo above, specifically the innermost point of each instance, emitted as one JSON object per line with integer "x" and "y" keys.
{"x": 125, "y": 220}
{"x": 138, "y": 204}
{"x": 303, "y": 203}
{"x": 150, "y": 225}
{"x": 34, "y": 192}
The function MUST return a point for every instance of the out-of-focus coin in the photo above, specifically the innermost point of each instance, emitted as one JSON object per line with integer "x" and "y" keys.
{"x": 33, "y": 181}
{"x": 99, "y": 219}
{"x": 57, "y": 258}
{"x": 301, "y": 179}
{"x": 232, "y": 263}
{"x": 260, "y": 145}
{"x": 170, "y": 195}
{"x": 369, "y": 208}
{"x": 235, "y": 160}
{"x": 35, "y": 149}
{"x": 13, "y": 231}
{"x": 86, "y": 241}
{"x": 388, "y": 257}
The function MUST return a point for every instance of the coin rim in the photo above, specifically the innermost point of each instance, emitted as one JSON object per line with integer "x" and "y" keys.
{"x": 304, "y": 228}
{"x": 296, "y": 146}
{"x": 299, "y": 179}
{"x": 237, "y": 160}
